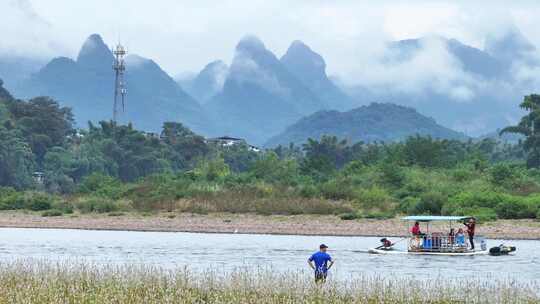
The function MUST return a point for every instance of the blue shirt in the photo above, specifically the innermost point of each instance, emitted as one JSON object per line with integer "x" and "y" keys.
{"x": 460, "y": 239}
{"x": 321, "y": 260}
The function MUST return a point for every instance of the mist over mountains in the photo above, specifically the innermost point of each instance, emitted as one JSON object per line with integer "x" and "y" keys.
{"x": 207, "y": 83}
{"x": 259, "y": 95}
{"x": 462, "y": 87}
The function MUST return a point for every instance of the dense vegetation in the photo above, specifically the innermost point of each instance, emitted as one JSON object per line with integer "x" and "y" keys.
{"x": 113, "y": 168}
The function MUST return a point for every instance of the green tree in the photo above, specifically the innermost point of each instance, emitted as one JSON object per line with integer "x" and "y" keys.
{"x": 323, "y": 157}
{"x": 185, "y": 146}
{"x": 270, "y": 168}
{"x": 238, "y": 157}
{"x": 212, "y": 169}
{"x": 43, "y": 123}
{"x": 16, "y": 160}
{"x": 423, "y": 151}
{"x": 131, "y": 154}
{"x": 529, "y": 126}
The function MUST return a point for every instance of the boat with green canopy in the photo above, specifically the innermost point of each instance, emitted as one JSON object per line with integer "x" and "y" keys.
{"x": 435, "y": 235}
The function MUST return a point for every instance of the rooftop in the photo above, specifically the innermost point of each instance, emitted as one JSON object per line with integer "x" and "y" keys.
{"x": 226, "y": 138}
{"x": 434, "y": 218}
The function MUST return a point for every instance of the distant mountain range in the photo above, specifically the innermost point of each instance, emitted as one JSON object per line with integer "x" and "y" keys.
{"x": 259, "y": 95}
{"x": 376, "y": 122}
{"x": 86, "y": 85}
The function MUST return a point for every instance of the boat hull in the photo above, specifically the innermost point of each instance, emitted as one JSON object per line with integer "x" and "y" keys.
{"x": 470, "y": 253}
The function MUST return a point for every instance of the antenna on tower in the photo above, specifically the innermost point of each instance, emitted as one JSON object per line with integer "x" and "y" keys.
{"x": 119, "y": 68}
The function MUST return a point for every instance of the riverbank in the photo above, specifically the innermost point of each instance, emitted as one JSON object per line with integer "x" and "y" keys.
{"x": 250, "y": 223}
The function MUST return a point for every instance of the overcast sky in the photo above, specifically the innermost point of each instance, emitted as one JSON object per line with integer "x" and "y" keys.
{"x": 185, "y": 35}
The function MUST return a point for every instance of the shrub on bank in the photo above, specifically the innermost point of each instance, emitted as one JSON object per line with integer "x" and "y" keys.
{"x": 62, "y": 206}
{"x": 336, "y": 189}
{"x": 348, "y": 216}
{"x": 374, "y": 197}
{"x": 515, "y": 208}
{"x": 10, "y": 199}
{"x": 430, "y": 203}
{"x": 52, "y": 212}
{"x": 96, "y": 204}
{"x": 38, "y": 201}
{"x": 98, "y": 184}
{"x": 116, "y": 214}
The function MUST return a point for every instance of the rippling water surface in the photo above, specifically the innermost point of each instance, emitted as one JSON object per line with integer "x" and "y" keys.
{"x": 224, "y": 252}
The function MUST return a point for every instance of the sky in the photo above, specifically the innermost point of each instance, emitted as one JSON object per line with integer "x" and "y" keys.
{"x": 183, "y": 36}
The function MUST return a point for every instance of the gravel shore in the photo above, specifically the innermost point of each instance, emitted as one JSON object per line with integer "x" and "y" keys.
{"x": 253, "y": 224}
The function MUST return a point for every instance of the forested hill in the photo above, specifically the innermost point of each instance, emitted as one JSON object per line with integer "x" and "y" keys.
{"x": 376, "y": 122}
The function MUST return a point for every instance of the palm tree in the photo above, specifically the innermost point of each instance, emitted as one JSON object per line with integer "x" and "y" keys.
{"x": 529, "y": 126}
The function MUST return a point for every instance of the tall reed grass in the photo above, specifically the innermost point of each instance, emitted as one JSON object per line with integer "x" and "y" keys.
{"x": 43, "y": 282}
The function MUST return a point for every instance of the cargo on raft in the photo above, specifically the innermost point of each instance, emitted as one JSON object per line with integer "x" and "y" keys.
{"x": 429, "y": 242}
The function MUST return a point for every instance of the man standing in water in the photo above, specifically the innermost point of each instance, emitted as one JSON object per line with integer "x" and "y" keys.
{"x": 319, "y": 263}
{"x": 470, "y": 231}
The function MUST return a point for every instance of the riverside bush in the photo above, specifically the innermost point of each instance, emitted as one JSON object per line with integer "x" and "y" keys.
{"x": 96, "y": 204}
{"x": 513, "y": 209}
{"x": 374, "y": 197}
{"x": 98, "y": 184}
{"x": 38, "y": 201}
{"x": 430, "y": 203}
{"x": 52, "y": 212}
{"x": 62, "y": 206}
{"x": 348, "y": 216}
{"x": 10, "y": 199}
{"x": 336, "y": 190}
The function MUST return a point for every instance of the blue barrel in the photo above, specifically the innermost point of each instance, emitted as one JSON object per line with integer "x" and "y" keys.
{"x": 427, "y": 243}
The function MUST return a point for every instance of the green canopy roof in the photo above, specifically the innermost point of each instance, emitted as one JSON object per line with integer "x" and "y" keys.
{"x": 434, "y": 218}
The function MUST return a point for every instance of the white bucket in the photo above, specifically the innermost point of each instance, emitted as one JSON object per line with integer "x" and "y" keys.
{"x": 482, "y": 240}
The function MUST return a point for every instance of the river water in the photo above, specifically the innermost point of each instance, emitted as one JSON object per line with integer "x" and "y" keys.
{"x": 225, "y": 252}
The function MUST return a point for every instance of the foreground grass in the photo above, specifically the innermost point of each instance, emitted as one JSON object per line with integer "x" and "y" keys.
{"x": 79, "y": 283}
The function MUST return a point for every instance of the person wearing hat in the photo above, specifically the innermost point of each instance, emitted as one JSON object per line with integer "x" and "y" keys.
{"x": 320, "y": 262}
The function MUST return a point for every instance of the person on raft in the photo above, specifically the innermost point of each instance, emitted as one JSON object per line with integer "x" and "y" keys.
{"x": 321, "y": 262}
{"x": 415, "y": 230}
{"x": 386, "y": 244}
{"x": 470, "y": 230}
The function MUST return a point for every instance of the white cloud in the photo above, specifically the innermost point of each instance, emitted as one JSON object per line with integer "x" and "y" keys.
{"x": 25, "y": 31}
{"x": 431, "y": 67}
{"x": 351, "y": 35}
